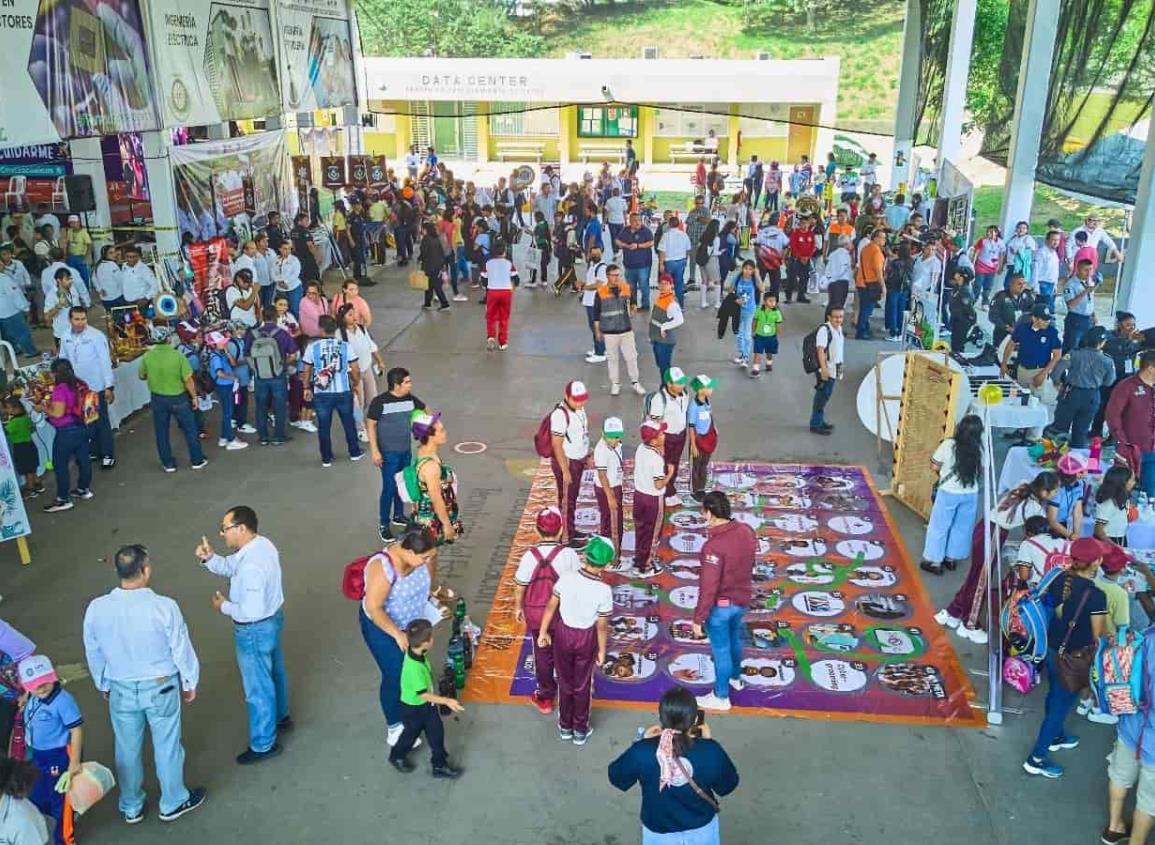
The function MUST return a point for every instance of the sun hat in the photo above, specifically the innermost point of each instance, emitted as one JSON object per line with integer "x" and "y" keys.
{"x": 1071, "y": 464}
{"x": 1088, "y": 550}
{"x": 702, "y": 382}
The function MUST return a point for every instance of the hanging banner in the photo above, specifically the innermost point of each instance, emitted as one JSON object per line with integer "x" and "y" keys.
{"x": 215, "y": 61}
{"x": 73, "y": 68}
{"x": 377, "y": 171}
{"x": 333, "y": 171}
{"x": 359, "y": 171}
{"x": 228, "y": 188}
{"x": 316, "y": 54}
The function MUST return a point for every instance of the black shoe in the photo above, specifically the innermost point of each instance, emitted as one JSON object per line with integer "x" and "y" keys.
{"x": 447, "y": 771}
{"x": 402, "y": 765}
{"x": 804, "y": 301}
{"x": 248, "y": 757}
{"x": 400, "y": 523}
{"x": 135, "y": 818}
{"x": 932, "y": 568}
{"x": 384, "y": 533}
{"x": 950, "y": 563}
{"x": 196, "y": 797}
{"x": 285, "y": 725}
{"x": 819, "y": 430}
{"x": 367, "y": 282}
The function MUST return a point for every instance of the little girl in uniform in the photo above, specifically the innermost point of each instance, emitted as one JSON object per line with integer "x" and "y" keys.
{"x": 1065, "y": 511}
{"x": 746, "y": 287}
{"x": 1111, "y": 508}
{"x": 608, "y": 466}
{"x": 703, "y": 434}
{"x": 18, "y": 429}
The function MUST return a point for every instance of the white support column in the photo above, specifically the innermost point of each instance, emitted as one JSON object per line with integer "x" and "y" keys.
{"x": 1030, "y": 103}
{"x": 162, "y": 189}
{"x": 904, "y": 124}
{"x": 1133, "y": 296}
{"x": 87, "y": 161}
{"x": 958, "y": 71}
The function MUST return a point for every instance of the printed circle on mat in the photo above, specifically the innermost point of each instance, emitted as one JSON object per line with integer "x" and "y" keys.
{"x": 779, "y": 483}
{"x": 767, "y": 672}
{"x": 869, "y": 549}
{"x": 895, "y": 640}
{"x": 840, "y": 502}
{"x": 750, "y": 519}
{"x": 589, "y": 518}
{"x": 917, "y": 680}
{"x": 764, "y": 571}
{"x": 764, "y": 546}
{"x": 786, "y": 501}
{"x": 851, "y": 524}
{"x": 832, "y": 636}
{"x": 874, "y": 576}
{"x": 832, "y": 482}
{"x": 687, "y": 543}
{"x": 882, "y": 606}
{"x": 837, "y": 675}
{"x": 686, "y": 568}
{"x": 626, "y": 567}
{"x": 684, "y": 597}
{"x": 692, "y": 668}
{"x": 810, "y": 572}
{"x": 735, "y": 480}
{"x": 628, "y": 666}
{"x": 740, "y": 500}
{"x": 767, "y": 636}
{"x": 628, "y": 596}
{"x": 632, "y": 628}
{"x": 688, "y": 521}
{"x": 766, "y": 600}
{"x": 795, "y": 523}
{"x": 682, "y": 631}
{"x": 802, "y": 547}
{"x": 817, "y": 603}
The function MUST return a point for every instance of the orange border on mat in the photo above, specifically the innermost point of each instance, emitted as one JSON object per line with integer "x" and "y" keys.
{"x": 495, "y": 663}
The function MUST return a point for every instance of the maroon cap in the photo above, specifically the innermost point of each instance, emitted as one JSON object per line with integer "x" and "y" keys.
{"x": 1115, "y": 559}
{"x": 1089, "y": 550}
{"x": 549, "y": 521}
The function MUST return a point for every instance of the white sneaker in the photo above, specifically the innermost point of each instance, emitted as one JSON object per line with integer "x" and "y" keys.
{"x": 595, "y": 359}
{"x": 890, "y": 339}
{"x": 1100, "y": 718}
{"x": 944, "y": 618}
{"x": 1085, "y": 706}
{"x": 673, "y": 501}
{"x": 503, "y": 347}
{"x": 309, "y": 426}
{"x": 712, "y": 702}
{"x": 615, "y": 389}
{"x": 297, "y": 424}
{"x": 638, "y": 389}
{"x": 246, "y": 429}
{"x": 461, "y": 298}
{"x": 362, "y": 436}
{"x": 394, "y": 734}
{"x": 222, "y": 442}
{"x": 236, "y": 445}
{"x": 976, "y": 635}
{"x": 737, "y": 684}
{"x": 739, "y": 360}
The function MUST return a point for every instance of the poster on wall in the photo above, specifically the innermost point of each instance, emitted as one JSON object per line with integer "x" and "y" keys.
{"x": 13, "y": 515}
{"x": 73, "y": 69}
{"x": 215, "y": 61}
{"x": 316, "y": 54}
{"x": 40, "y": 167}
{"x": 228, "y": 188}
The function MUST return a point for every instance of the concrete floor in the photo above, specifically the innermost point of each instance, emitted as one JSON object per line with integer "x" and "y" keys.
{"x": 803, "y": 781}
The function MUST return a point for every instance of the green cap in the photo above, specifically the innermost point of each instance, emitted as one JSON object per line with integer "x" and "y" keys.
{"x": 599, "y": 551}
{"x": 8, "y": 245}
{"x": 674, "y": 375}
{"x": 701, "y": 382}
{"x": 613, "y": 427}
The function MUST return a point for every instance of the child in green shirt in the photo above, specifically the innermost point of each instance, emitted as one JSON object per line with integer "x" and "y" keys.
{"x": 18, "y": 429}
{"x": 766, "y": 321}
{"x": 419, "y": 705}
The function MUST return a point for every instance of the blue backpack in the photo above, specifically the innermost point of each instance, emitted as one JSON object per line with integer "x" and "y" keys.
{"x": 1025, "y": 618}
{"x": 1117, "y": 673}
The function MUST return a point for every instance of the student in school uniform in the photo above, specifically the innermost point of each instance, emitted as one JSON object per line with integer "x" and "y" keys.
{"x": 703, "y": 434}
{"x": 582, "y": 603}
{"x": 537, "y": 573}
{"x": 570, "y": 441}
{"x": 419, "y": 703}
{"x": 670, "y": 406}
{"x": 608, "y": 473}
{"x": 53, "y": 734}
{"x": 651, "y": 474}
{"x": 499, "y": 277}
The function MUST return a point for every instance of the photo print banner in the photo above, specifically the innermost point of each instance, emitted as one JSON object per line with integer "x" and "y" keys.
{"x": 215, "y": 61}
{"x": 316, "y": 54}
{"x": 72, "y": 69}
{"x": 228, "y": 188}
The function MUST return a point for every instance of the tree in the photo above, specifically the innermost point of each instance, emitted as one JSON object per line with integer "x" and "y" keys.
{"x": 461, "y": 28}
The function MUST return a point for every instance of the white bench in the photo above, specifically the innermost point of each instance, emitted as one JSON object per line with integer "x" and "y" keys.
{"x": 688, "y": 152}
{"x": 520, "y": 151}
{"x": 588, "y": 151}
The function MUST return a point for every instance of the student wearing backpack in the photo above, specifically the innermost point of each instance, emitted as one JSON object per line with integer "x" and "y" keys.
{"x": 1040, "y": 552}
{"x": 609, "y": 469}
{"x": 65, "y": 409}
{"x": 1131, "y": 764}
{"x": 829, "y": 344}
{"x": 651, "y": 475}
{"x": 270, "y": 349}
{"x": 1079, "y": 621}
{"x": 569, "y": 436}
{"x": 537, "y": 572}
{"x": 670, "y": 406}
{"x": 958, "y": 462}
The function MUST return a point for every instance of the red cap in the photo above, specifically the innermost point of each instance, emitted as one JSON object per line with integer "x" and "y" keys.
{"x": 1088, "y": 550}
{"x": 651, "y": 429}
{"x": 549, "y": 522}
{"x": 1115, "y": 559}
{"x": 576, "y": 390}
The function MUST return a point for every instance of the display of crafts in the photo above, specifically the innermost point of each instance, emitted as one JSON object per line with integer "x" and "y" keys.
{"x": 1046, "y": 452}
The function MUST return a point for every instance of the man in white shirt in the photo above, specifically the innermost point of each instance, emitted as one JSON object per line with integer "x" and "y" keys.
{"x": 615, "y": 216}
{"x": 546, "y": 202}
{"x": 869, "y": 172}
{"x": 651, "y": 475}
{"x": 140, "y": 283}
{"x": 140, "y": 657}
{"x": 14, "y": 306}
{"x": 673, "y": 251}
{"x": 830, "y": 345}
{"x": 254, "y": 604}
{"x": 48, "y": 274}
{"x": 241, "y": 298}
{"x": 1096, "y": 237}
{"x": 412, "y": 161}
{"x": 669, "y": 406}
{"x": 87, "y": 349}
{"x": 1046, "y": 267}
{"x": 570, "y": 444}
{"x": 263, "y": 259}
{"x": 926, "y": 271}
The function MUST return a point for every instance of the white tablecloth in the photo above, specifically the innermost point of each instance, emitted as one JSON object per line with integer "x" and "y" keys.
{"x": 1013, "y": 414}
{"x": 1019, "y": 466}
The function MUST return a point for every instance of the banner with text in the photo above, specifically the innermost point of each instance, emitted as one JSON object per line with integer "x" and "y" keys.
{"x": 215, "y": 61}
{"x": 316, "y": 54}
{"x": 74, "y": 68}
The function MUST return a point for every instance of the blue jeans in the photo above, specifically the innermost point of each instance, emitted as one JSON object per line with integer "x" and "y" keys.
{"x": 325, "y": 404}
{"x": 1058, "y": 705}
{"x": 390, "y": 503}
{"x": 745, "y": 336}
{"x": 952, "y": 520}
{"x": 893, "y": 310}
{"x": 1047, "y": 293}
{"x": 638, "y": 279}
{"x": 15, "y": 330}
{"x": 707, "y": 834}
{"x": 1147, "y": 473}
{"x": 267, "y": 293}
{"x": 274, "y": 393}
{"x": 294, "y": 296}
{"x": 389, "y": 659}
{"x": 822, "y": 393}
{"x": 663, "y": 358}
{"x": 156, "y": 703}
{"x": 78, "y": 264}
{"x": 865, "y": 310}
{"x": 71, "y": 443}
{"x": 725, "y": 630}
{"x": 599, "y": 345}
{"x": 983, "y": 284}
{"x": 262, "y": 665}
{"x": 1074, "y": 413}
{"x": 1075, "y": 326}
{"x": 165, "y": 408}
{"x": 109, "y": 304}
{"x": 462, "y": 265}
{"x": 677, "y": 269}
{"x": 100, "y": 432}
{"x": 228, "y": 401}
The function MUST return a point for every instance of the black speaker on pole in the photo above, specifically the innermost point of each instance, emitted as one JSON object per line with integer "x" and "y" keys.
{"x": 79, "y": 195}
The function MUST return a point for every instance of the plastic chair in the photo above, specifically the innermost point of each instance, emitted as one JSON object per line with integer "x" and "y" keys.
{"x": 17, "y": 188}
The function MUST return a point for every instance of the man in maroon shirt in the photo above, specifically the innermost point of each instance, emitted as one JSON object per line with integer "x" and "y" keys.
{"x": 1131, "y": 418}
{"x": 802, "y": 247}
{"x": 724, "y": 593}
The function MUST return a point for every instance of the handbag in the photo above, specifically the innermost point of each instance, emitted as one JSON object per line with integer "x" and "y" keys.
{"x": 418, "y": 280}
{"x": 708, "y": 442}
{"x": 1074, "y": 667}
{"x": 701, "y": 793}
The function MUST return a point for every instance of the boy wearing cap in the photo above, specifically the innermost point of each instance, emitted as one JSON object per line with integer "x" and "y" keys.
{"x": 608, "y": 473}
{"x": 53, "y": 734}
{"x": 570, "y": 440}
{"x": 670, "y": 406}
{"x": 651, "y": 474}
{"x": 582, "y": 603}
{"x": 703, "y": 434}
{"x": 222, "y": 365}
{"x": 537, "y": 572}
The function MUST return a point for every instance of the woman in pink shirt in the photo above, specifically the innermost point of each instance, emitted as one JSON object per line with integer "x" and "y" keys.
{"x": 990, "y": 256}
{"x": 351, "y": 295}
{"x": 65, "y": 412}
{"x": 313, "y": 307}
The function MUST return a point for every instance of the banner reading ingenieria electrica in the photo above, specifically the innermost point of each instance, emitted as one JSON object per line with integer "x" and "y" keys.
{"x": 316, "y": 54}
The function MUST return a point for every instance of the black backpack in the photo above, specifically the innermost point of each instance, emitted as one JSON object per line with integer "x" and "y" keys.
{"x": 810, "y": 362}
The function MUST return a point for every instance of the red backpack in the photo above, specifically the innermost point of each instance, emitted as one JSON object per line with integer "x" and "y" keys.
{"x": 353, "y": 578}
{"x": 540, "y": 587}
{"x": 543, "y": 439}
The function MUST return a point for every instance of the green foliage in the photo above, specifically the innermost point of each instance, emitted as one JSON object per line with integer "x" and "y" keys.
{"x": 983, "y": 86}
{"x": 458, "y": 28}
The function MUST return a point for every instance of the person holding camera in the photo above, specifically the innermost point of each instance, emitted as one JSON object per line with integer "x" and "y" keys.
{"x": 682, "y": 771}
{"x": 1079, "y": 294}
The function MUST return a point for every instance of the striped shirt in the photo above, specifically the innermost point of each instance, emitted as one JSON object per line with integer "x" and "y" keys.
{"x": 330, "y": 358}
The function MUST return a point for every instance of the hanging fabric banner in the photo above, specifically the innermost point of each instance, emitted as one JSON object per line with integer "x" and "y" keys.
{"x": 316, "y": 54}
{"x": 333, "y": 171}
{"x": 377, "y": 171}
{"x": 215, "y": 61}
{"x": 359, "y": 171}
{"x": 73, "y": 69}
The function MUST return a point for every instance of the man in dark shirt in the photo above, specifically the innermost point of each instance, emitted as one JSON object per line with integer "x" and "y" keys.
{"x": 304, "y": 249}
{"x": 637, "y": 245}
{"x": 274, "y": 231}
{"x": 387, "y": 424}
{"x": 1008, "y": 306}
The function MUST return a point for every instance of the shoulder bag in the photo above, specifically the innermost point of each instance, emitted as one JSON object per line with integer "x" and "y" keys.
{"x": 701, "y": 793}
{"x": 1074, "y": 667}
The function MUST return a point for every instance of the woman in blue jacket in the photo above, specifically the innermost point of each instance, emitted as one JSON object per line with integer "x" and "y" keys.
{"x": 681, "y": 771}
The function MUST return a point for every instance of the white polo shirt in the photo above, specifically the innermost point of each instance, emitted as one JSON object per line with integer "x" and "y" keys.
{"x": 573, "y": 427}
{"x": 595, "y": 275}
{"x": 139, "y": 282}
{"x": 499, "y": 274}
{"x": 671, "y": 410}
{"x": 833, "y": 341}
{"x": 608, "y": 459}
{"x": 248, "y": 316}
{"x": 674, "y": 245}
{"x": 582, "y": 599}
{"x": 649, "y": 471}
{"x": 566, "y": 560}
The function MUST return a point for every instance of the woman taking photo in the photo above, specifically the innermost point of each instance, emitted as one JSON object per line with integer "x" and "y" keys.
{"x": 396, "y": 593}
{"x": 958, "y": 462}
{"x": 432, "y": 257}
{"x": 681, "y": 769}
{"x": 436, "y": 507}
{"x": 65, "y": 411}
{"x": 1079, "y": 621}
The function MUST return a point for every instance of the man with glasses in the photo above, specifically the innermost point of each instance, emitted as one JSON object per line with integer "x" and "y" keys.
{"x": 141, "y": 659}
{"x": 254, "y": 604}
{"x": 637, "y": 245}
{"x": 613, "y": 325}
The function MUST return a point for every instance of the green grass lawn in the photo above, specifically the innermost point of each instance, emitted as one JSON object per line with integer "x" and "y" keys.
{"x": 869, "y": 42}
{"x": 1048, "y": 204}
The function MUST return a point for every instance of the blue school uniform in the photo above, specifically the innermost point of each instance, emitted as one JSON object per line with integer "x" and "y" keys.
{"x": 47, "y": 724}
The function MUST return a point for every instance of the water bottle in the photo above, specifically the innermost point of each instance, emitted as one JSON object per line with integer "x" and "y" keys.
{"x": 447, "y": 686}
{"x": 641, "y": 734}
{"x": 459, "y": 609}
{"x": 456, "y": 654}
{"x": 467, "y": 651}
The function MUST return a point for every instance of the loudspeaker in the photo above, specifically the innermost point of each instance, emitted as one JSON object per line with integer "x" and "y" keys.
{"x": 78, "y": 193}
